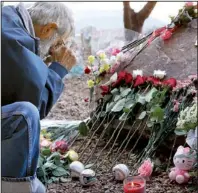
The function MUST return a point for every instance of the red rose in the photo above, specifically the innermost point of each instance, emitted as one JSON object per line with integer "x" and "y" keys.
{"x": 128, "y": 78}
{"x": 170, "y": 82}
{"x": 105, "y": 90}
{"x": 60, "y": 146}
{"x": 87, "y": 70}
{"x": 121, "y": 75}
{"x": 154, "y": 81}
{"x": 139, "y": 80}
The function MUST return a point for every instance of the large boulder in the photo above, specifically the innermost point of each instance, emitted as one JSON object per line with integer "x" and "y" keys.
{"x": 177, "y": 56}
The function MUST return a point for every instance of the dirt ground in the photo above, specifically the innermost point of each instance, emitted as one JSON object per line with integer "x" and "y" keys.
{"x": 72, "y": 106}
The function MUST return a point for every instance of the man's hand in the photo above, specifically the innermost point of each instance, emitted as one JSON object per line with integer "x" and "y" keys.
{"x": 64, "y": 56}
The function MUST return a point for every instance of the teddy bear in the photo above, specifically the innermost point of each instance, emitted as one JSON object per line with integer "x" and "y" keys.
{"x": 184, "y": 160}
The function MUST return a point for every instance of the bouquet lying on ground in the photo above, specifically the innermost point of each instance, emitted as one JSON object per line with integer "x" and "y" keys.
{"x": 55, "y": 152}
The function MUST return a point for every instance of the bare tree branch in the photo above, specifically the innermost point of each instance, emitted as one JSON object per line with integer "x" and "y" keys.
{"x": 146, "y": 10}
{"x": 134, "y": 21}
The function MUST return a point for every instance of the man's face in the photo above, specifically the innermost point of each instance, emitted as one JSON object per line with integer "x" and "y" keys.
{"x": 48, "y": 35}
{"x": 46, "y": 44}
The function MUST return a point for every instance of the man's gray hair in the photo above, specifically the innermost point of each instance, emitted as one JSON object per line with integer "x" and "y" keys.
{"x": 43, "y": 13}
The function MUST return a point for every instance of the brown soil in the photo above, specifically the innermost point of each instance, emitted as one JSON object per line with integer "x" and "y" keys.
{"x": 71, "y": 106}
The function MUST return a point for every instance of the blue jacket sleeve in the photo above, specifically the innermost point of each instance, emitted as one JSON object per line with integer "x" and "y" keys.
{"x": 25, "y": 77}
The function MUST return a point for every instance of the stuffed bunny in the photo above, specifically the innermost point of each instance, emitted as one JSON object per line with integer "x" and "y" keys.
{"x": 184, "y": 160}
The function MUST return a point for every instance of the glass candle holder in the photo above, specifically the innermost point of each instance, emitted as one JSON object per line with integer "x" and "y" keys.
{"x": 134, "y": 184}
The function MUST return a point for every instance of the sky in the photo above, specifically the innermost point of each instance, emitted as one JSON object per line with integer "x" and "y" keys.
{"x": 161, "y": 11}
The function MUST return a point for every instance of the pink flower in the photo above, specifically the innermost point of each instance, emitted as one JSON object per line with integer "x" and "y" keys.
{"x": 176, "y": 106}
{"x": 166, "y": 35}
{"x": 115, "y": 51}
{"x": 45, "y": 143}
{"x": 188, "y": 4}
{"x": 146, "y": 169}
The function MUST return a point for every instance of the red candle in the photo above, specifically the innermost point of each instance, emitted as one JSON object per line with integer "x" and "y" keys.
{"x": 134, "y": 185}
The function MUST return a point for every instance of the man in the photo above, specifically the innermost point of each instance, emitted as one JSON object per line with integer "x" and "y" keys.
{"x": 29, "y": 87}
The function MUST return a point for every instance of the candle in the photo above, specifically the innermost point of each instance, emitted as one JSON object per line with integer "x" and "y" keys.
{"x": 134, "y": 184}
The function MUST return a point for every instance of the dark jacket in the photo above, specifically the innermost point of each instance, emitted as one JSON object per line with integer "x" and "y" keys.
{"x": 24, "y": 75}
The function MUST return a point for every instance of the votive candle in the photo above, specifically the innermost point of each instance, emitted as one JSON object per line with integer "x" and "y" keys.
{"x": 134, "y": 184}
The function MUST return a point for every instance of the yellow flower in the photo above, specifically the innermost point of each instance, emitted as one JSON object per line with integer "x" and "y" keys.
{"x": 90, "y": 83}
{"x": 72, "y": 155}
{"x": 101, "y": 70}
{"x": 106, "y": 67}
{"x": 91, "y": 59}
{"x": 102, "y": 56}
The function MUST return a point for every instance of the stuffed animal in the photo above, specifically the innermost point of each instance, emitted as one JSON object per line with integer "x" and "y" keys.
{"x": 184, "y": 160}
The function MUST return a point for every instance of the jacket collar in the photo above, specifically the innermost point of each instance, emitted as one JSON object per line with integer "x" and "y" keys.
{"x": 26, "y": 19}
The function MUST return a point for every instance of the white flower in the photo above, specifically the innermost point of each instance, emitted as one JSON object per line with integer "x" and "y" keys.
{"x": 113, "y": 60}
{"x": 195, "y": 11}
{"x": 137, "y": 72}
{"x": 120, "y": 57}
{"x": 105, "y": 61}
{"x": 159, "y": 74}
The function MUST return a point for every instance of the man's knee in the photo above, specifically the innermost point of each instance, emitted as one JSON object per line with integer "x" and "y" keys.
{"x": 28, "y": 110}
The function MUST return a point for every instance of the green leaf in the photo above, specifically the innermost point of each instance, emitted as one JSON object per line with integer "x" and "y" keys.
{"x": 123, "y": 117}
{"x": 88, "y": 166}
{"x": 157, "y": 113}
{"x": 83, "y": 129}
{"x": 140, "y": 99}
{"x": 129, "y": 103}
{"x": 180, "y": 132}
{"x": 119, "y": 105}
{"x": 142, "y": 115}
{"x": 59, "y": 171}
{"x": 126, "y": 110}
{"x": 117, "y": 97}
{"x": 54, "y": 179}
{"x": 46, "y": 151}
{"x": 50, "y": 165}
{"x": 53, "y": 156}
{"x": 150, "y": 124}
{"x": 57, "y": 162}
{"x": 125, "y": 92}
{"x": 122, "y": 89}
{"x": 150, "y": 94}
{"x": 115, "y": 91}
{"x": 107, "y": 97}
{"x": 109, "y": 106}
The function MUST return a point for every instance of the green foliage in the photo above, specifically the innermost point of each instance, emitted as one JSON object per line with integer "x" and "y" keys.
{"x": 83, "y": 129}
{"x": 51, "y": 168}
